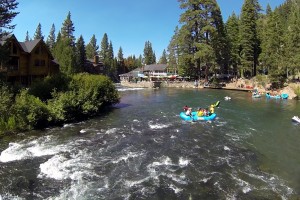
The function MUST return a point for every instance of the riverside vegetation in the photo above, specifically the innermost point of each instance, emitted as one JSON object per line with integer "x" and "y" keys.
{"x": 54, "y": 101}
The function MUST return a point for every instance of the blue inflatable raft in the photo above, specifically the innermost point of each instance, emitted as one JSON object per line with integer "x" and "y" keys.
{"x": 284, "y": 96}
{"x": 196, "y": 118}
{"x": 272, "y": 96}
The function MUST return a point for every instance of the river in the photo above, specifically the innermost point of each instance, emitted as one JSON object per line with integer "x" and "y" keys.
{"x": 141, "y": 149}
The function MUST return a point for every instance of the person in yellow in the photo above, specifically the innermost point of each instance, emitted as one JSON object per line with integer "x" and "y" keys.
{"x": 200, "y": 112}
{"x": 211, "y": 109}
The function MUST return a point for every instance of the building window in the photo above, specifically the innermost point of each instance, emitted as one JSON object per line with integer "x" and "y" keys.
{"x": 42, "y": 63}
{"x": 13, "y": 64}
{"x": 14, "y": 49}
{"x": 38, "y": 63}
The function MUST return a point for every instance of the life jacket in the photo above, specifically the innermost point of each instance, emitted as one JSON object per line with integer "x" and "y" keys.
{"x": 211, "y": 109}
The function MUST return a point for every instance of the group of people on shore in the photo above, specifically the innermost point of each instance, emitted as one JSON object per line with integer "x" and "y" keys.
{"x": 200, "y": 111}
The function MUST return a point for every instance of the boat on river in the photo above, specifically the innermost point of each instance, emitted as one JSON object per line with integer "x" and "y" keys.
{"x": 296, "y": 119}
{"x": 256, "y": 95}
{"x": 284, "y": 96}
{"x": 194, "y": 117}
{"x": 268, "y": 95}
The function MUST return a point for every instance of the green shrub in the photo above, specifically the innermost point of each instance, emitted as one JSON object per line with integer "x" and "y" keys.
{"x": 6, "y": 101}
{"x": 88, "y": 94}
{"x": 64, "y": 107}
{"x": 30, "y": 111}
{"x": 43, "y": 88}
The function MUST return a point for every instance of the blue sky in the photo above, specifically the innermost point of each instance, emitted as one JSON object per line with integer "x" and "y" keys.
{"x": 128, "y": 23}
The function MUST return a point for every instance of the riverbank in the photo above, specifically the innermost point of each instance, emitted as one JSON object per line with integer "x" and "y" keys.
{"x": 239, "y": 84}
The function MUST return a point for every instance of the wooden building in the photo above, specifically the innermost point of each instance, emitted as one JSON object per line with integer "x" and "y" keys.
{"x": 27, "y": 61}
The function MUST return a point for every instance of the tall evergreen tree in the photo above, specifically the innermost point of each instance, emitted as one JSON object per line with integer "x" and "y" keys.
{"x": 173, "y": 49}
{"x": 92, "y": 47}
{"x": 27, "y": 38}
{"x": 7, "y": 14}
{"x": 67, "y": 30}
{"x": 121, "y": 64}
{"x": 292, "y": 39}
{"x": 65, "y": 55}
{"x": 149, "y": 55}
{"x": 104, "y": 47}
{"x": 249, "y": 37}
{"x": 163, "y": 59}
{"x": 80, "y": 55}
{"x": 38, "y": 33}
{"x": 51, "y": 38}
{"x": 198, "y": 37}
{"x": 232, "y": 27}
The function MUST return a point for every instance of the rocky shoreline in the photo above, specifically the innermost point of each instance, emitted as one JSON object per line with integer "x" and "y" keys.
{"x": 241, "y": 85}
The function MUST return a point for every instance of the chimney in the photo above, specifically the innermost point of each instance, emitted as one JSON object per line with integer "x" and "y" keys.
{"x": 96, "y": 59}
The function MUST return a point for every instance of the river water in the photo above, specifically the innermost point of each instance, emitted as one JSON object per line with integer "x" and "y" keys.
{"x": 141, "y": 149}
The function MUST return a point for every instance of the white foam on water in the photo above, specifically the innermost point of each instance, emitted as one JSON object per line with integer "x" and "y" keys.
{"x": 83, "y": 131}
{"x": 130, "y": 184}
{"x": 25, "y": 150}
{"x": 158, "y": 126}
{"x": 68, "y": 125}
{"x": 74, "y": 167}
{"x": 126, "y": 157}
{"x": 204, "y": 180}
{"x": 175, "y": 189}
{"x": 183, "y": 162}
{"x": 111, "y": 131}
{"x": 246, "y": 187}
{"x": 226, "y": 148}
{"x": 129, "y": 89}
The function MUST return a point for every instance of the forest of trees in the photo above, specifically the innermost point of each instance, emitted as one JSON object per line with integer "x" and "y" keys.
{"x": 71, "y": 53}
{"x": 255, "y": 42}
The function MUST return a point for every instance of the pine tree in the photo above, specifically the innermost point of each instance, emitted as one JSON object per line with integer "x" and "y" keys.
{"x": 67, "y": 30}
{"x": 104, "y": 47}
{"x": 121, "y": 64}
{"x": 249, "y": 37}
{"x": 92, "y": 48}
{"x": 173, "y": 49}
{"x": 38, "y": 33}
{"x": 7, "y": 14}
{"x": 232, "y": 27}
{"x": 292, "y": 39}
{"x": 80, "y": 55}
{"x": 51, "y": 38}
{"x": 197, "y": 37}
{"x": 65, "y": 55}
{"x": 163, "y": 58}
{"x": 149, "y": 55}
{"x": 27, "y": 38}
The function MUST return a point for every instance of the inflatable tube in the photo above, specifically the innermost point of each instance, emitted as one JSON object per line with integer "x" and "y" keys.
{"x": 256, "y": 95}
{"x": 196, "y": 118}
{"x": 296, "y": 119}
{"x": 272, "y": 97}
{"x": 284, "y": 96}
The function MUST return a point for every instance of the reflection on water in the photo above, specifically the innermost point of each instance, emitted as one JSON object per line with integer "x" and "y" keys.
{"x": 143, "y": 150}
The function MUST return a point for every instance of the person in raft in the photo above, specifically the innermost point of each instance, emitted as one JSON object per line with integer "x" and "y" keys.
{"x": 211, "y": 109}
{"x": 185, "y": 108}
{"x": 188, "y": 112}
{"x": 200, "y": 112}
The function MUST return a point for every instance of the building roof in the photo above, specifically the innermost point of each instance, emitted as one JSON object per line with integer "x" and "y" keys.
{"x": 155, "y": 67}
{"x": 29, "y": 45}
